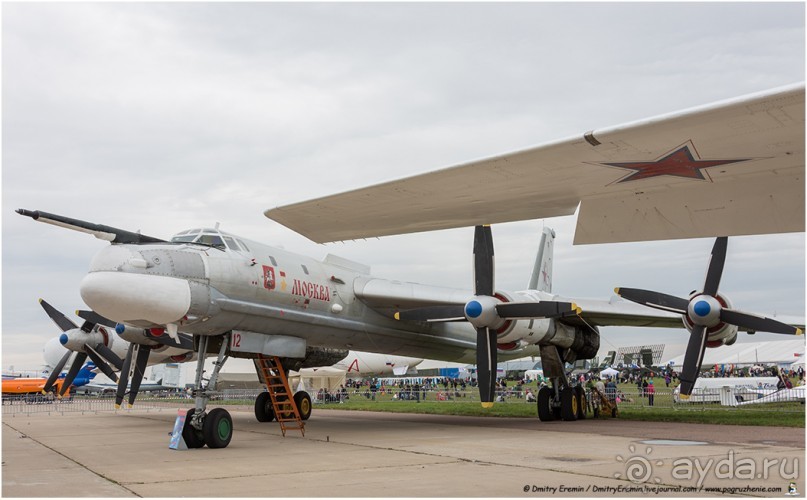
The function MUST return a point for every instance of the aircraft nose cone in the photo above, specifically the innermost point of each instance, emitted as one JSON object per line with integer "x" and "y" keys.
{"x": 702, "y": 308}
{"x": 63, "y": 339}
{"x": 124, "y": 297}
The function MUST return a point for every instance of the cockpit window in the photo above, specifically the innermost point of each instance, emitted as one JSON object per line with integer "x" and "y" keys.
{"x": 243, "y": 245}
{"x": 212, "y": 240}
{"x": 231, "y": 244}
{"x": 183, "y": 239}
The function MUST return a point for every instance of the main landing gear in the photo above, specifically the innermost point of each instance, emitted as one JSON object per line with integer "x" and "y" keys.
{"x": 265, "y": 412}
{"x": 214, "y": 428}
{"x": 561, "y": 401}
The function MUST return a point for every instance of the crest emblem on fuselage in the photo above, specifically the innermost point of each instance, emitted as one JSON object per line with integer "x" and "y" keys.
{"x": 269, "y": 277}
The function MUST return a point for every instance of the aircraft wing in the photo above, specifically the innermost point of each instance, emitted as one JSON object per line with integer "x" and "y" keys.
{"x": 618, "y": 312}
{"x": 388, "y": 297}
{"x": 731, "y": 168}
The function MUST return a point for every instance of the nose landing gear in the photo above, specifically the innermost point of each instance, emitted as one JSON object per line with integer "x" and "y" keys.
{"x": 215, "y": 429}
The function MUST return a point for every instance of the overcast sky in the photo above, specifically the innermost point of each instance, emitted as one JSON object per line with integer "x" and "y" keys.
{"x": 161, "y": 117}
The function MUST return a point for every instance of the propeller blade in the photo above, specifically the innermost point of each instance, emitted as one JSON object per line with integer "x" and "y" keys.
{"x": 60, "y": 319}
{"x": 544, "y": 309}
{"x": 483, "y": 261}
{"x": 57, "y": 370}
{"x": 78, "y": 362}
{"x": 140, "y": 371}
{"x": 692, "y": 360}
{"x": 486, "y": 362}
{"x": 716, "y": 263}
{"x": 756, "y": 323}
{"x": 123, "y": 381}
{"x": 96, "y": 318}
{"x": 109, "y": 355}
{"x": 654, "y": 299}
{"x": 100, "y": 363}
{"x": 435, "y": 313}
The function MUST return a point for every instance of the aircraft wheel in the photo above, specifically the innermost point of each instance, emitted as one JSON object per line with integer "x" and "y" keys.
{"x": 192, "y": 437}
{"x": 303, "y": 402}
{"x": 545, "y": 413}
{"x": 580, "y": 394}
{"x": 263, "y": 408}
{"x": 568, "y": 404}
{"x": 218, "y": 428}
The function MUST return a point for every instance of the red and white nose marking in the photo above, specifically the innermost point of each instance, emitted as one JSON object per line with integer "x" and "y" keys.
{"x": 123, "y": 297}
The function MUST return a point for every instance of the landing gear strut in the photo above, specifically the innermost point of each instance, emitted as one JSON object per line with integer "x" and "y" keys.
{"x": 561, "y": 401}
{"x": 215, "y": 429}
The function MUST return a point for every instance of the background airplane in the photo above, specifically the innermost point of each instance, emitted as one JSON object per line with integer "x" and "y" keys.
{"x": 21, "y": 386}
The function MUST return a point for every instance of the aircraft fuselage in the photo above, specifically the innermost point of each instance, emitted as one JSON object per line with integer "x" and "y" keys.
{"x": 244, "y": 286}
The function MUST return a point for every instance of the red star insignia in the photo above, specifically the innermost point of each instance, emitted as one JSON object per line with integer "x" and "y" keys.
{"x": 679, "y": 163}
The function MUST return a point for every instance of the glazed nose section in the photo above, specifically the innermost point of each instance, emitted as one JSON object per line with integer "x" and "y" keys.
{"x": 124, "y": 297}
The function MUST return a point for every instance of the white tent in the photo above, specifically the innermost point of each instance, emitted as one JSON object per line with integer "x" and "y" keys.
{"x": 775, "y": 352}
{"x": 609, "y": 372}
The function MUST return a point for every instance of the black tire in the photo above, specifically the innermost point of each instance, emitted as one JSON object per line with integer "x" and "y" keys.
{"x": 263, "y": 408}
{"x": 218, "y": 428}
{"x": 580, "y": 394}
{"x": 303, "y": 402}
{"x": 545, "y": 413}
{"x": 568, "y": 404}
{"x": 192, "y": 437}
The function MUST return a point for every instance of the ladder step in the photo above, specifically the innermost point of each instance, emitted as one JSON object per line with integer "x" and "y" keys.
{"x": 274, "y": 377}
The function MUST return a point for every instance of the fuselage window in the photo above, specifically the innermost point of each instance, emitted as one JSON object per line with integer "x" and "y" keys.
{"x": 273, "y": 261}
{"x": 305, "y": 269}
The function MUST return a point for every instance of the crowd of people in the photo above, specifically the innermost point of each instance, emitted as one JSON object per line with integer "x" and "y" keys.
{"x": 447, "y": 389}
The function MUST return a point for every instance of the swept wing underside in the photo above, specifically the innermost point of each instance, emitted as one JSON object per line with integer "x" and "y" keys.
{"x": 732, "y": 168}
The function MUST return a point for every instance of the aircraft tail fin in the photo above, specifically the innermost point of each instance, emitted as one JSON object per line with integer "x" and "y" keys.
{"x": 541, "y": 278}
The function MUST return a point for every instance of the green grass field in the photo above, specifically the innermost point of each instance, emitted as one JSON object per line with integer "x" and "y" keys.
{"x": 708, "y": 415}
{"x": 790, "y": 414}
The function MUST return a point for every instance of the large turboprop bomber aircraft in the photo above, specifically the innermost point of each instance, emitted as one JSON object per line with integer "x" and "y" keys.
{"x": 237, "y": 297}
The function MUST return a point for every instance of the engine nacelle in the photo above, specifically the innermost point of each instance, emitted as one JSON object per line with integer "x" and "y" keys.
{"x": 583, "y": 341}
{"x": 134, "y": 335}
{"x": 524, "y": 331}
{"x": 720, "y": 334}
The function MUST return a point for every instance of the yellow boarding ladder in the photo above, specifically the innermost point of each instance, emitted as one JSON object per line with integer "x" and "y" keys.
{"x": 283, "y": 404}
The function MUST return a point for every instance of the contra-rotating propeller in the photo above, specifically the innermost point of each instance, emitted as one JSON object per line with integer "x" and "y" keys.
{"x": 134, "y": 365}
{"x": 78, "y": 340}
{"x": 137, "y": 352}
{"x": 704, "y": 311}
{"x": 487, "y": 313}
